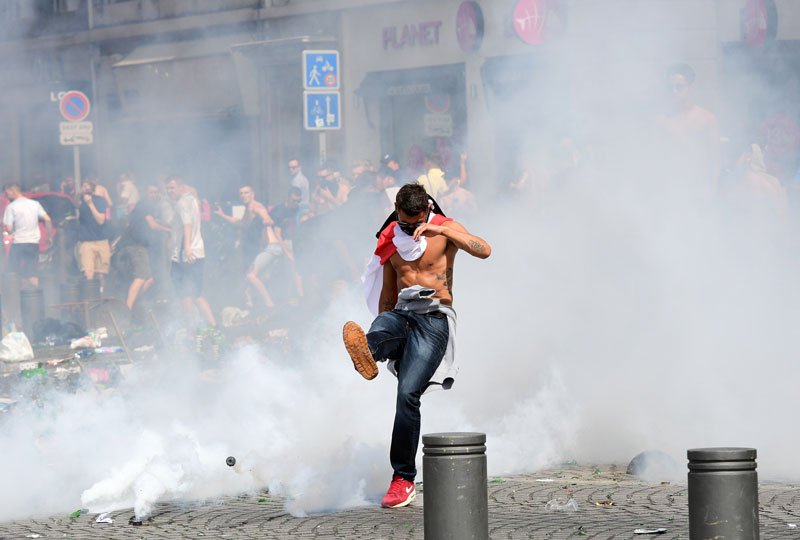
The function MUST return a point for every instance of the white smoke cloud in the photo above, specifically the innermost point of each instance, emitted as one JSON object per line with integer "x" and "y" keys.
{"x": 617, "y": 314}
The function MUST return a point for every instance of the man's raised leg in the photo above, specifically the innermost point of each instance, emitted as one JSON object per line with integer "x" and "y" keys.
{"x": 385, "y": 339}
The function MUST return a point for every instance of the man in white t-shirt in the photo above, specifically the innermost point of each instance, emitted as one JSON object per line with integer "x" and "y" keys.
{"x": 21, "y": 219}
{"x": 188, "y": 250}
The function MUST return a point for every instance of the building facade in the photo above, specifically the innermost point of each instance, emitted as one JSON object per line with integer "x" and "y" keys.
{"x": 213, "y": 89}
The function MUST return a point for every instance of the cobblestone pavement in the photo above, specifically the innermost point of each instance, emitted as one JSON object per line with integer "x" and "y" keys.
{"x": 516, "y": 511}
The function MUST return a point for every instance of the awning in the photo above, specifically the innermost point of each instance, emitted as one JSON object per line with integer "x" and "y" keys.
{"x": 281, "y": 51}
{"x": 404, "y": 82}
{"x": 178, "y": 50}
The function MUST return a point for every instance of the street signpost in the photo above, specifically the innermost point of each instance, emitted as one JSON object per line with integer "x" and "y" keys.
{"x": 75, "y": 107}
{"x": 321, "y": 98}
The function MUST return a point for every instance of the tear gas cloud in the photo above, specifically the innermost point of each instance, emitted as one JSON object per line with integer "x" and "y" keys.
{"x": 621, "y": 310}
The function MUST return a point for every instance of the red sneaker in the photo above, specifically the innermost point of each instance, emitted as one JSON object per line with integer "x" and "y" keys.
{"x": 401, "y": 493}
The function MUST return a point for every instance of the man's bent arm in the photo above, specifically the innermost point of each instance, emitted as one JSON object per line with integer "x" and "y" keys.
{"x": 99, "y": 217}
{"x": 388, "y": 298}
{"x": 458, "y": 235}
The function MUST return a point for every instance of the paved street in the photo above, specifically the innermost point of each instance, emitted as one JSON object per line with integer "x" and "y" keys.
{"x": 516, "y": 511}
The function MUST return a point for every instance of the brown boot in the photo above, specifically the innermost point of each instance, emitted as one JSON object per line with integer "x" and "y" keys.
{"x": 355, "y": 341}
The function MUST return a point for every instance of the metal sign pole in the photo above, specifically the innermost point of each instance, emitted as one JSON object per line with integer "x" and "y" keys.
{"x": 76, "y": 156}
{"x": 323, "y": 151}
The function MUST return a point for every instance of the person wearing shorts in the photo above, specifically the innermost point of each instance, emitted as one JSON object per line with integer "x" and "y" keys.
{"x": 21, "y": 218}
{"x": 188, "y": 251}
{"x": 94, "y": 252}
{"x": 143, "y": 230}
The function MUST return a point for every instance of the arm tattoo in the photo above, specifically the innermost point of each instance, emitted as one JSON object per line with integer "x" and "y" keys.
{"x": 441, "y": 277}
{"x": 476, "y": 246}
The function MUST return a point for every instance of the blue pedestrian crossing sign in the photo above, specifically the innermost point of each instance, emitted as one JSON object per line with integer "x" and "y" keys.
{"x": 321, "y": 70}
{"x": 322, "y": 111}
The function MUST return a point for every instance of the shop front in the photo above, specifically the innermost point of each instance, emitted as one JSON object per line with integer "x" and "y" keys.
{"x": 419, "y": 111}
{"x": 438, "y": 81}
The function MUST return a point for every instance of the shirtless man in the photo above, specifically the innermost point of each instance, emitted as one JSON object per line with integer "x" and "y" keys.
{"x": 416, "y": 325}
{"x": 691, "y": 135}
{"x": 254, "y": 223}
{"x": 279, "y": 227}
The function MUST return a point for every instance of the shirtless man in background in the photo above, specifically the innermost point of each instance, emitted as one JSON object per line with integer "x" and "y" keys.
{"x": 254, "y": 224}
{"x": 416, "y": 325}
{"x": 691, "y": 139}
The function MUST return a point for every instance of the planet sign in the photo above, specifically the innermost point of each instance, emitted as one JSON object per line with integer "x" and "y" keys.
{"x": 74, "y": 106}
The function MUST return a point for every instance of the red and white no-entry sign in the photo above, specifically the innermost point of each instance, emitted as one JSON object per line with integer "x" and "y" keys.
{"x": 74, "y": 106}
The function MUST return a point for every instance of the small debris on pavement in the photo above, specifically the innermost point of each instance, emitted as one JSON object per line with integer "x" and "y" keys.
{"x": 105, "y": 517}
{"x": 230, "y": 461}
{"x": 555, "y": 504}
{"x": 792, "y": 525}
{"x": 604, "y": 504}
{"x": 660, "y": 530}
{"x": 545, "y": 480}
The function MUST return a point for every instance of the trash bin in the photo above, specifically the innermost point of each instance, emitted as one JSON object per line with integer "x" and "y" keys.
{"x": 723, "y": 493}
{"x": 455, "y": 492}
{"x": 11, "y": 284}
{"x": 70, "y": 292}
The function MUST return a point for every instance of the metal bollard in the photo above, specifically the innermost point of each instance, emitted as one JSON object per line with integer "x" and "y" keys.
{"x": 11, "y": 286}
{"x": 89, "y": 289}
{"x": 31, "y": 306}
{"x": 455, "y": 497}
{"x": 723, "y": 493}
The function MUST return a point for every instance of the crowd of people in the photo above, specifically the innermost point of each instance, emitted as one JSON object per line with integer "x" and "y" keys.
{"x": 303, "y": 243}
{"x": 149, "y": 242}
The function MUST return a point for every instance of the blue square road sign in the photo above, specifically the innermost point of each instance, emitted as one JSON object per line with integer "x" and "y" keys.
{"x": 321, "y": 70}
{"x": 321, "y": 110}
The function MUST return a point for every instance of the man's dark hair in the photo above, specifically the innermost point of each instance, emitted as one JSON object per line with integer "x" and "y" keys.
{"x": 13, "y": 185}
{"x": 412, "y": 199}
{"x": 384, "y": 172}
{"x": 682, "y": 69}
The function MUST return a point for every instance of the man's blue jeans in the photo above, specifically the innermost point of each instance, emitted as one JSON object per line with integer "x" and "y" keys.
{"x": 417, "y": 342}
